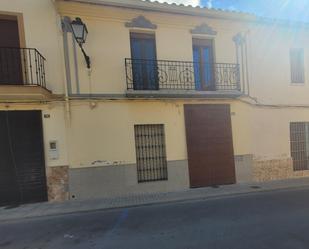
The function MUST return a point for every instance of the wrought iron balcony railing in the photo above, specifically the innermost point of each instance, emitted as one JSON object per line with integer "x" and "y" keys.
{"x": 181, "y": 75}
{"x": 22, "y": 66}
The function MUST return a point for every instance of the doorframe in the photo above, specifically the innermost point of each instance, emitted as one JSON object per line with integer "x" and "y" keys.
{"x": 201, "y": 42}
{"x": 144, "y": 35}
{"x": 204, "y": 37}
{"x": 140, "y": 34}
{"x": 6, "y": 15}
{"x": 17, "y": 16}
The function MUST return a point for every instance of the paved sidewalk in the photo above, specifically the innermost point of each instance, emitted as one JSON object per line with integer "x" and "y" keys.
{"x": 47, "y": 209}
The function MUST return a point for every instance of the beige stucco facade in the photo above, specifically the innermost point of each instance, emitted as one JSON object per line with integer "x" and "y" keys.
{"x": 92, "y": 117}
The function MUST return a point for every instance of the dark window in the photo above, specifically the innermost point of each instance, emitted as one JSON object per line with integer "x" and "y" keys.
{"x": 144, "y": 61}
{"x": 297, "y": 65}
{"x": 150, "y": 152}
{"x": 299, "y": 136}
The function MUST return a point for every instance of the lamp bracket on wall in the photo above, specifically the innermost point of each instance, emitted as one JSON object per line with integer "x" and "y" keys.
{"x": 80, "y": 32}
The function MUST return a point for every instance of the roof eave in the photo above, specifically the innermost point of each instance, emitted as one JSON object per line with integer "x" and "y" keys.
{"x": 147, "y": 5}
{"x": 171, "y": 8}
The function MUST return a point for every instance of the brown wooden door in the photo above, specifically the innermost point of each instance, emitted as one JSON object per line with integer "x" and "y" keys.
{"x": 10, "y": 56}
{"x": 209, "y": 145}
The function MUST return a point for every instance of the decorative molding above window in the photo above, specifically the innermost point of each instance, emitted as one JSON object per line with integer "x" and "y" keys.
{"x": 203, "y": 29}
{"x": 140, "y": 22}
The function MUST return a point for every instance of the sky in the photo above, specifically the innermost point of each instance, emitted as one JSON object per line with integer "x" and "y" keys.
{"x": 283, "y": 9}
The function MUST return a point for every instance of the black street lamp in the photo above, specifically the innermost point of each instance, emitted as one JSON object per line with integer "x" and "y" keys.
{"x": 80, "y": 33}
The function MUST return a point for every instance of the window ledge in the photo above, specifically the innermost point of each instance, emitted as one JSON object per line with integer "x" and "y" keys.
{"x": 297, "y": 84}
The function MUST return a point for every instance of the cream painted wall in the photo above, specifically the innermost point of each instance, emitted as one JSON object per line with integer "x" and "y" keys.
{"x": 257, "y": 130}
{"x": 43, "y": 32}
{"x": 55, "y": 130}
{"x": 268, "y": 49}
{"x": 108, "y": 42}
{"x": 271, "y": 130}
{"x": 242, "y": 121}
{"x": 106, "y": 132}
{"x": 104, "y": 135}
{"x": 107, "y": 49}
{"x": 270, "y": 64}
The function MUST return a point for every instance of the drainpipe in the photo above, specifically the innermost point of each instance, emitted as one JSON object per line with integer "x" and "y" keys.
{"x": 63, "y": 52}
{"x": 247, "y": 63}
{"x": 242, "y": 51}
{"x": 67, "y": 85}
{"x": 239, "y": 41}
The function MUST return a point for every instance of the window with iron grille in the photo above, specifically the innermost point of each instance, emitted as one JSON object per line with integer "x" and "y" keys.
{"x": 297, "y": 65}
{"x": 150, "y": 152}
{"x": 299, "y": 136}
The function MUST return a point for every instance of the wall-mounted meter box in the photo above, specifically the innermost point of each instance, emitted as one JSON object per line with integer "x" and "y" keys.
{"x": 53, "y": 151}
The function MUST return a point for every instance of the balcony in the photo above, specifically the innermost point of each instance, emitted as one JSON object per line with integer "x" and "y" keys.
{"x": 153, "y": 78}
{"x": 22, "y": 74}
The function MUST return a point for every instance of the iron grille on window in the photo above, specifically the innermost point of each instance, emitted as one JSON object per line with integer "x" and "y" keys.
{"x": 150, "y": 152}
{"x": 299, "y": 135}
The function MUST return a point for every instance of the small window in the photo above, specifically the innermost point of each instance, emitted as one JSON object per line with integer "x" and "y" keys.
{"x": 299, "y": 136}
{"x": 297, "y": 65}
{"x": 150, "y": 152}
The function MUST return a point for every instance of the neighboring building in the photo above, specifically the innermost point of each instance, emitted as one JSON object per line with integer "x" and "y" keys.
{"x": 176, "y": 97}
{"x": 32, "y": 113}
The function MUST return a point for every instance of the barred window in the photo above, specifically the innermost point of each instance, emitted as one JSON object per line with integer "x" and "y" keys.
{"x": 150, "y": 152}
{"x": 299, "y": 136}
{"x": 297, "y": 65}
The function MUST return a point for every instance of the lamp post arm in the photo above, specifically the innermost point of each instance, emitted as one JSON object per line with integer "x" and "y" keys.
{"x": 87, "y": 58}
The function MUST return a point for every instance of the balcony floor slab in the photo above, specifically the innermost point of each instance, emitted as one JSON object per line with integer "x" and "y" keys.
{"x": 182, "y": 94}
{"x": 25, "y": 92}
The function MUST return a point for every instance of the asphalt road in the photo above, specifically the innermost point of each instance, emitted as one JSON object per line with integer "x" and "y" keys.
{"x": 271, "y": 220}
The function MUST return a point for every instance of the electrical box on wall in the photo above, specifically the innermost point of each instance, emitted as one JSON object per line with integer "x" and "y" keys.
{"x": 53, "y": 151}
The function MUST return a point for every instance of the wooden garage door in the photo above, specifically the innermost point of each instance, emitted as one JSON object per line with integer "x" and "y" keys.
{"x": 209, "y": 145}
{"x": 22, "y": 167}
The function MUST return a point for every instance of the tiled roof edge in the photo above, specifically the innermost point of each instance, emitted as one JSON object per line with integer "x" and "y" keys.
{"x": 154, "y": 5}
